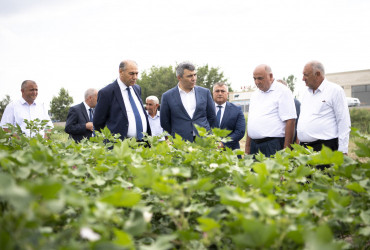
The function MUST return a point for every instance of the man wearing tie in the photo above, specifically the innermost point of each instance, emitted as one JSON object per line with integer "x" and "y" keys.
{"x": 186, "y": 105}
{"x": 79, "y": 120}
{"x": 229, "y": 116}
{"x": 120, "y": 107}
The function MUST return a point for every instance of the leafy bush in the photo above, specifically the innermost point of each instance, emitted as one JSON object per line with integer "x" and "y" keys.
{"x": 62, "y": 195}
{"x": 360, "y": 118}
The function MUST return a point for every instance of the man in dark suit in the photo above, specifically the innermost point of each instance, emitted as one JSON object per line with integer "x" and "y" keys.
{"x": 229, "y": 116}
{"x": 120, "y": 107}
{"x": 79, "y": 120}
{"x": 186, "y": 105}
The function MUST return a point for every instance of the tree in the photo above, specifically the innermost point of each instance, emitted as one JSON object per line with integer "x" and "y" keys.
{"x": 157, "y": 81}
{"x": 3, "y": 103}
{"x": 160, "y": 79}
{"x": 290, "y": 80}
{"x": 207, "y": 77}
{"x": 60, "y": 105}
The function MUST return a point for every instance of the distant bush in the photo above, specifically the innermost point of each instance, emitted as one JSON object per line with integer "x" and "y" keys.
{"x": 360, "y": 118}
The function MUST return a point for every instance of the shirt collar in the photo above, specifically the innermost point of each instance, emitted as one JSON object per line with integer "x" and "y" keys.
{"x": 182, "y": 91}
{"x": 272, "y": 88}
{"x": 86, "y": 106}
{"x": 24, "y": 102}
{"x": 156, "y": 115}
{"x": 223, "y": 105}
{"x": 122, "y": 85}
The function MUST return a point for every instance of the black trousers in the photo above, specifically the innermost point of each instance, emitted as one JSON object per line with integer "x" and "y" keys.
{"x": 317, "y": 145}
{"x": 268, "y": 146}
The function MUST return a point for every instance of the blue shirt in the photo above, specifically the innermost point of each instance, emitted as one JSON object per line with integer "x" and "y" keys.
{"x": 155, "y": 125}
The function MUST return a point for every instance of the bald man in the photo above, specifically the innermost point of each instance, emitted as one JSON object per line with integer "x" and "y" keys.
{"x": 120, "y": 107}
{"x": 272, "y": 115}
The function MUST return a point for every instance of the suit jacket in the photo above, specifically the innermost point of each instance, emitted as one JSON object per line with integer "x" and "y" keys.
{"x": 110, "y": 110}
{"x": 175, "y": 119}
{"x": 76, "y": 123}
{"x": 234, "y": 120}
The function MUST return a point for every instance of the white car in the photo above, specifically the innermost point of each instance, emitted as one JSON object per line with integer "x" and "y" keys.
{"x": 353, "y": 102}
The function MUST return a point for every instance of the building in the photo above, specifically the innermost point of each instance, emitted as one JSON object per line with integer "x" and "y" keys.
{"x": 241, "y": 99}
{"x": 355, "y": 84}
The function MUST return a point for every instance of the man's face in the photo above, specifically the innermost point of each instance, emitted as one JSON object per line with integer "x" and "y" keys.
{"x": 93, "y": 99}
{"x": 309, "y": 77}
{"x": 129, "y": 75}
{"x": 220, "y": 94}
{"x": 151, "y": 107}
{"x": 30, "y": 92}
{"x": 262, "y": 79}
{"x": 188, "y": 80}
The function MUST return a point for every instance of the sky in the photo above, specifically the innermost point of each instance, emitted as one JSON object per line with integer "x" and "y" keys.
{"x": 78, "y": 44}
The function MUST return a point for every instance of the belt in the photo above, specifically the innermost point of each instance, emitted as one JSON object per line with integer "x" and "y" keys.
{"x": 258, "y": 141}
{"x": 317, "y": 142}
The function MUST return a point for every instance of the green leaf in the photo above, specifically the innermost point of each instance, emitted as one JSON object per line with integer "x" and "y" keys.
{"x": 163, "y": 242}
{"x": 208, "y": 224}
{"x": 123, "y": 238}
{"x": 136, "y": 224}
{"x": 121, "y": 198}
{"x": 355, "y": 186}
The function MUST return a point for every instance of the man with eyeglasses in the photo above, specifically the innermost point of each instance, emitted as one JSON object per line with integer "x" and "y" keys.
{"x": 272, "y": 115}
{"x": 229, "y": 116}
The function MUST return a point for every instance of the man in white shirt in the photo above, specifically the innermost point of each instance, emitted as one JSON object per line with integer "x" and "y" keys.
{"x": 26, "y": 108}
{"x": 186, "y": 105}
{"x": 324, "y": 118}
{"x": 152, "y": 104}
{"x": 272, "y": 114}
{"x": 120, "y": 107}
{"x": 79, "y": 120}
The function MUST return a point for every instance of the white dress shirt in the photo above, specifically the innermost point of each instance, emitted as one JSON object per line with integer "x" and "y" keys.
{"x": 325, "y": 115}
{"x": 222, "y": 110}
{"x": 87, "y": 109}
{"x": 189, "y": 101}
{"x": 16, "y": 112}
{"x": 155, "y": 125}
{"x": 131, "y": 132}
{"x": 268, "y": 112}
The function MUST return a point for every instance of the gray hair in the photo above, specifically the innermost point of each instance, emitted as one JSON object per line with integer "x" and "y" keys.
{"x": 182, "y": 66}
{"x": 24, "y": 83}
{"x": 221, "y": 84}
{"x": 124, "y": 63}
{"x": 153, "y": 98}
{"x": 317, "y": 67}
{"x": 90, "y": 92}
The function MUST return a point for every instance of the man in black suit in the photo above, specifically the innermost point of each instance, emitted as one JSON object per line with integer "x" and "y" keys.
{"x": 120, "y": 107}
{"x": 229, "y": 116}
{"x": 79, "y": 120}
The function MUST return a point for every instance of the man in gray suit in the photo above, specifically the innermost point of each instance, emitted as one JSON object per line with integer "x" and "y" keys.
{"x": 186, "y": 105}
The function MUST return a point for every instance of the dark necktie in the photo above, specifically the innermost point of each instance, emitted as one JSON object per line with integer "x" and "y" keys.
{"x": 219, "y": 115}
{"x": 91, "y": 115}
{"x": 139, "y": 125}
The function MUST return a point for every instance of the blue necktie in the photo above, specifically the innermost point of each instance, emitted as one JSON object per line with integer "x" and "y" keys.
{"x": 91, "y": 115}
{"x": 219, "y": 115}
{"x": 139, "y": 125}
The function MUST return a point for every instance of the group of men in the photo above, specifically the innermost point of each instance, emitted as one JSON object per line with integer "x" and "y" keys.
{"x": 272, "y": 120}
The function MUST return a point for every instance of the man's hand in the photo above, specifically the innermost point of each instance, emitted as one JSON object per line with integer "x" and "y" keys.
{"x": 90, "y": 126}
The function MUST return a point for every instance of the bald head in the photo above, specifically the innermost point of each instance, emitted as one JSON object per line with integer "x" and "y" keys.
{"x": 263, "y": 77}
